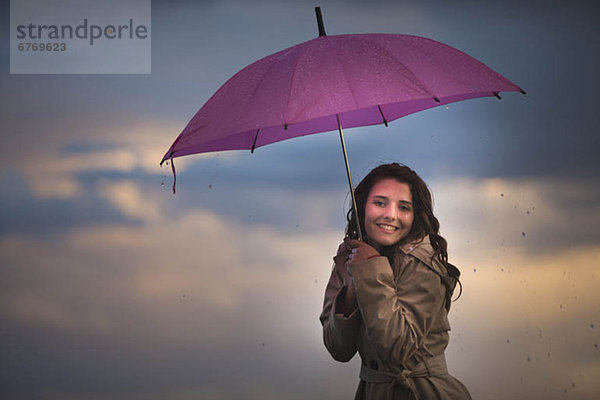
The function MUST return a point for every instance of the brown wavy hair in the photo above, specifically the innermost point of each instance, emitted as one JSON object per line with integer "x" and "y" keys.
{"x": 425, "y": 223}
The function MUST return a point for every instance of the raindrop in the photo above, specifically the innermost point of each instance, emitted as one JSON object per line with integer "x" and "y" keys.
{"x": 297, "y": 226}
{"x": 474, "y": 269}
{"x": 596, "y": 345}
{"x": 561, "y": 306}
{"x": 501, "y": 194}
{"x": 592, "y": 326}
{"x": 501, "y": 269}
{"x": 210, "y": 186}
{"x": 316, "y": 281}
{"x": 528, "y": 359}
{"x": 162, "y": 184}
{"x": 548, "y": 354}
{"x": 183, "y": 295}
{"x": 263, "y": 344}
{"x": 573, "y": 384}
{"x": 447, "y": 107}
{"x": 528, "y": 212}
{"x": 508, "y": 341}
{"x": 523, "y": 234}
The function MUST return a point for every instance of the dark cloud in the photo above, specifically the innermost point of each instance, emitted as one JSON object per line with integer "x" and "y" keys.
{"x": 216, "y": 294}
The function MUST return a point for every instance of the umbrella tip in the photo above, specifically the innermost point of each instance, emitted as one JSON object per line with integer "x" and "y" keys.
{"x": 320, "y": 22}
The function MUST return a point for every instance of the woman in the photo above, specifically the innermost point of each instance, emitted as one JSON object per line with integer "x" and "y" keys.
{"x": 388, "y": 296}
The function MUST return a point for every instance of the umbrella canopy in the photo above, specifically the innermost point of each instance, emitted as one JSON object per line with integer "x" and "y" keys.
{"x": 330, "y": 82}
{"x": 364, "y": 79}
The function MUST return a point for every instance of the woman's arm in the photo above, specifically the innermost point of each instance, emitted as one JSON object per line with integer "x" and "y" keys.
{"x": 340, "y": 317}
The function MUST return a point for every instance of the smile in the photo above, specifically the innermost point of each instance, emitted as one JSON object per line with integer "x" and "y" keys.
{"x": 388, "y": 228}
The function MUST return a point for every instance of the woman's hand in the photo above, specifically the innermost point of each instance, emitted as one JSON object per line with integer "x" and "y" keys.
{"x": 359, "y": 251}
{"x": 344, "y": 251}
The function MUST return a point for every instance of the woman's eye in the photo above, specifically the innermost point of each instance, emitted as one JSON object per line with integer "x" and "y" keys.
{"x": 379, "y": 203}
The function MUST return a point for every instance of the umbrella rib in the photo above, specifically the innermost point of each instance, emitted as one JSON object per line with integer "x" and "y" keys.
{"x": 406, "y": 70}
{"x": 347, "y": 81}
{"x": 254, "y": 143}
{"x": 382, "y": 116}
{"x": 255, "y": 89}
{"x": 289, "y": 97}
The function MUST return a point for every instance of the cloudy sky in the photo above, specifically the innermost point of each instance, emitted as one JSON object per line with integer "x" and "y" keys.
{"x": 113, "y": 288}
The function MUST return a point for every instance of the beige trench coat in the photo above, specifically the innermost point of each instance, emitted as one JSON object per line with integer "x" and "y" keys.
{"x": 400, "y": 328}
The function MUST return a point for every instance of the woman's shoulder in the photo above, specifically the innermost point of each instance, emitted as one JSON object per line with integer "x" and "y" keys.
{"x": 423, "y": 251}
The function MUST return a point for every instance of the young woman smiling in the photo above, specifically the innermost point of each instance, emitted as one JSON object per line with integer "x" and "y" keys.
{"x": 388, "y": 296}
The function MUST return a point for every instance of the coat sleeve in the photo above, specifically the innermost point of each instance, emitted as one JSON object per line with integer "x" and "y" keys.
{"x": 340, "y": 332}
{"x": 397, "y": 314}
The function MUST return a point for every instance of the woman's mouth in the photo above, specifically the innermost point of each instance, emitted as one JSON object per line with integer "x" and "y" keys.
{"x": 388, "y": 228}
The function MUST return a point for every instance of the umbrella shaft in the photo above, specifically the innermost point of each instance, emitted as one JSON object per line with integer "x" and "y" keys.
{"x": 354, "y": 207}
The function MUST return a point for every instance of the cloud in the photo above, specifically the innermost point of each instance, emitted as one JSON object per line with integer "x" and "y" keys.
{"x": 208, "y": 293}
{"x": 524, "y": 323}
{"x": 503, "y": 215}
{"x": 128, "y": 198}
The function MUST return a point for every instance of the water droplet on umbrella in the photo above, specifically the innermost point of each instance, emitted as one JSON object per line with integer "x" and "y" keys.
{"x": 596, "y": 345}
{"x": 573, "y": 384}
{"x": 210, "y": 186}
{"x": 474, "y": 269}
{"x": 523, "y": 234}
{"x": 528, "y": 359}
{"x": 501, "y": 194}
{"x": 447, "y": 107}
{"x": 527, "y": 212}
{"x": 508, "y": 341}
{"x": 263, "y": 344}
{"x": 592, "y": 326}
{"x": 548, "y": 354}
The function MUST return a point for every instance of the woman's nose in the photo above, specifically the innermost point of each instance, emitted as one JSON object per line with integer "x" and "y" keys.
{"x": 391, "y": 213}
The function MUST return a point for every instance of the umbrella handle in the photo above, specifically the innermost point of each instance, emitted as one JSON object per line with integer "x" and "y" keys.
{"x": 354, "y": 207}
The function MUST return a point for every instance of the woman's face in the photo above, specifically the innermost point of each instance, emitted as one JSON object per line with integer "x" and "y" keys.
{"x": 389, "y": 212}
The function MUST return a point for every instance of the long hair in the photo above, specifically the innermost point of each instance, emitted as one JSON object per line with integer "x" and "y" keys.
{"x": 425, "y": 223}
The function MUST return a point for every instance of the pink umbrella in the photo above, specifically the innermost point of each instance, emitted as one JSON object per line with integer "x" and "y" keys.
{"x": 332, "y": 82}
